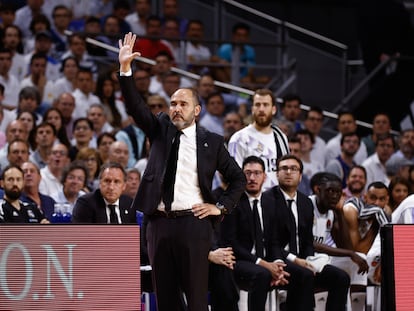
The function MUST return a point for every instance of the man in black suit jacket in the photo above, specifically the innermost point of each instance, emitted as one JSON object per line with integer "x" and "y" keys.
{"x": 179, "y": 227}
{"x": 255, "y": 270}
{"x": 99, "y": 206}
{"x": 295, "y": 242}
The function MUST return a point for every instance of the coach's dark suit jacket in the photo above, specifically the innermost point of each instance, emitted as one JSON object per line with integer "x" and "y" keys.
{"x": 91, "y": 208}
{"x": 238, "y": 230}
{"x": 274, "y": 197}
{"x": 211, "y": 156}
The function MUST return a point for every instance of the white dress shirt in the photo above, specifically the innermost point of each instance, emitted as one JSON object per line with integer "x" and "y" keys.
{"x": 117, "y": 211}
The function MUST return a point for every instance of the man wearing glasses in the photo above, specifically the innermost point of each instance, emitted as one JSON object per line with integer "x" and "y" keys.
{"x": 294, "y": 221}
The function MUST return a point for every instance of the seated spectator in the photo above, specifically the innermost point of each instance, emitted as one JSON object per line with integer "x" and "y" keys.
{"x": 157, "y": 104}
{"x": 110, "y": 34}
{"x": 29, "y": 120}
{"x": 404, "y": 212}
{"x": 13, "y": 40}
{"x": 198, "y": 56}
{"x": 170, "y": 83}
{"x": 10, "y": 84}
{"x": 83, "y": 93}
{"x": 30, "y": 100}
{"x": 138, "y": 19}
{"x": 104, "y": 142}
{"x": 106, "y": 204}
{"x": 66, "y": 84}
{"x": 17, "y": 152}
{"x": 97, "y": 115}
{"x": 61, "y": 16}
{"x": 313, "y": 122}
{"x": 232, "y": 123}
{"x": 120, "y": 9}
{"x": 45, "y": 137}
{"x": 25, "y": 14}
{"x": 381, "y": 125}
{"x": 171, "y": 35}
{"x": 74, "y": 180}
{"x": 346, "y": 124}
{"x": 54, "y": 117}
{"x": 31, "y": 192}
{"x": 355, "y": 182}
{"x": 291, "y": 111}
{"x": 52, "y": 173}
{"x": 375, "y": 164}
{"x": 213, "y": 118}
{"x": 150, "y": 47}
{"x": 82, "y": 136}
{"x": 133, "y": 178}
{"x": 406, "y": 145}
{"x": 90, "y": 158}
{"x": 341, "y": 165}
{"x": 93, "y": 30}
{"x": 396, "y": 166}
{"x": 170, "y": 10}
{"x": 39, "y": 24}
{"x": 119, "y": 153}
{"x": 12, "y": 209}
{"x": 65, "y": 103}
{"x": 15, "y": 130}
{"x": 38, "y": 79}
{"x": 399, "y": 189}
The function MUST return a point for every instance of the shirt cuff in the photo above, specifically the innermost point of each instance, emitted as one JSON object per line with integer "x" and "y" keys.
{"x": 258, "y": 260}
{"x": 291, "y": 257}
{"x": 126, "y": 74}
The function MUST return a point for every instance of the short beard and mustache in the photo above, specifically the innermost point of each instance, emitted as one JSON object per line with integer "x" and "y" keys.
{"x": 13, "y": 194}
{"x": 263, "y": 122}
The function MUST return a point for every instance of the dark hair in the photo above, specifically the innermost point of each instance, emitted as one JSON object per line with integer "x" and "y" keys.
{"x": 18, "y": 141}
{"x": 214, "y": 94}
{"x": 394, "y": 182}
{"x": 377, "y": 185}
{"x": 86, "y": 152}
{"x": 38, "y": 56}
{"x": 385, "y": 136}
{"x": 349, "y": 135}
{"x": 1, "y": 89}
{"x": 39, "y": 19}
{"x": 322, "y": 178}
{"x": 288, "y": 157}
{"x": 75, "y": 165}
{"x": 110, "y": 102}
{"x": 165, "y": 54}
{"x": 289, "y": 98}
{"x": 112, "y": 165}
{"x": 358, "y": 167}
{"x": 305, "y": 132}
{"x": 345, "y": 112}
{"x": 30, "y": 92}
{"x": 316, "y": 109}
{"x": 104, "y": 134}
{"x": 60, "y": 7}
{"x": 90, "y": 124}
{"x": 240, "y": 25}
{"x": 65, "y": 60}
{"x": 9, "y": 167}
{"x": 253, "y": 159}
{"x": 20, "y": 47}
{"x": 46, "y": 124}
{"x": 60, "y": 133}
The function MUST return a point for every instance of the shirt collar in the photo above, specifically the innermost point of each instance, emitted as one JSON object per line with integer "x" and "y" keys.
{"x": 287, "y": 197}
{"x": 115, "y": 203}
{"x": 189, "y": 131}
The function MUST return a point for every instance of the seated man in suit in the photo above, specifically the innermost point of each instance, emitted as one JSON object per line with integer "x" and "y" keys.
{"x": 294, "y": 221}
{"x": 106, "y": 204}
{"x": 249, "y": 229}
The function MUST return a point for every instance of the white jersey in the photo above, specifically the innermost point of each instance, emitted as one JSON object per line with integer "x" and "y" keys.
{"x": 249, "y": 141}
{"x": 322, "y": 225}
{"x": 404, "y": 213}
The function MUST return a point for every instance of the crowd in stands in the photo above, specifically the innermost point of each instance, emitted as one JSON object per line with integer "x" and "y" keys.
{"x": 62, "y": 117}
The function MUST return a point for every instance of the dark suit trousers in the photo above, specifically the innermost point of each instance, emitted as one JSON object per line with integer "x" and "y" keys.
{"x": 224, "y": 295}
{"x": 256, "y": 280}
{"x": 302, "y": 284}
{"x": 178, "y": 252}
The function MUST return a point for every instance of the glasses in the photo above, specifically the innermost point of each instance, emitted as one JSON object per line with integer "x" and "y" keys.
{"x": 286, "y": 168}
{"x": 153, "y": 106}
{"x": 253, "y": 173}
{"x": 59, "y": 152}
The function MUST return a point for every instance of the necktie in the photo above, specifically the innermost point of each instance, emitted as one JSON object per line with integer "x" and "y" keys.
{"x": 169, "y": 179}
{"x": 113, "y": 217}
{"x": 258, "y": 233}
{"x": 293, "y": 248}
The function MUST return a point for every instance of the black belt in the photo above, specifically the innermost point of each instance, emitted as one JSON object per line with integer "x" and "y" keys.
{"x": 174, "y": 214}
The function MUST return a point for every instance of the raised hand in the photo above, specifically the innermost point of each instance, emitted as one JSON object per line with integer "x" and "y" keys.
{"x": 126, "y": 54}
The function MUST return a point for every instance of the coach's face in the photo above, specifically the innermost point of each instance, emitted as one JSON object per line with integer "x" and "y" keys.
{"x": 112, "y": 184}
{"x": 184, "y": 108}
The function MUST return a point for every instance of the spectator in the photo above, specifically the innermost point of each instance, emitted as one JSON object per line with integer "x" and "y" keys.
{"x": 406, "y": 145}
{"x": 121, "y": 9}
{"x": 133, "y": 178}
{"x": 346, "y": 124}
{"x": 381, "y": 125}
{"x": 54, "y": 116}
{"x": 8, "y": 80}
{"x": 118, "y": 153}
{"x": 61, "y": 17}
{"x": 170, "y": 83}
{"x": 91, "y": 160}
{"x": 74, "y": 180}
{"x": 31, "y": 192}
{"x": 17, "y": 152}
{"x": 65, "y": 103}
{"x": 170, "y": 10}
{"x": 97, "y": 115}
{"x": 106, "y": 204}
{"x": 291, "y": 111}
{"x": 30, "y": 100}
{"x": 45, "y": 136}
{"x": 375, "y": 164}
{"x": 7, "y": 16}
{"x": 261, "y": 138}
{"x": 13, "y": 40}
{"x": 198, "y": 56}
{"x": 29, "y": 120}
{"x": 83, "y": 93}
{"x": 399, "y": 189}
{"x": 232, "y": 123}
{"x": 313, "y": 123}
{"x": 110, "y": 34}
{"x": 15, "y": 130}
{"x": 25, "y": 14}
{"x": 307, "y": 141}
{"x": 142, "y": 83}
{"x": 104, "y": 142}
{"x": 12, "y": 209}
{"x": 150, "y": 47}
{"x": 341, "y": 165}
{"x": 138, "y": 19}
{"x": 82, "y": 136}
{"x": 157, "y": 104}
{"x": 66, "y": 84}
{"x": 52, "y": 173}
{"x": 213, "y": 118}
{"x": 39, "y": 24}
{"x": 171, "y": 35}
{"x": 6, "y": 116}
{"x": 38, "y": 79}
{"x": 355, "y": 182}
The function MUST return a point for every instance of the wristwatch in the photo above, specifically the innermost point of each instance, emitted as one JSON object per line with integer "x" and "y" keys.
{"x": 222, "y": 208}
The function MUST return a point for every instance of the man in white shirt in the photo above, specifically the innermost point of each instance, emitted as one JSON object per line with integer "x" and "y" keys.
{"x": 8, "y": 80}
{"x": 83, "y": 95}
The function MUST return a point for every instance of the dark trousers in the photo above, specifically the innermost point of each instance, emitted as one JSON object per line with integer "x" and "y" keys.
{"x": 178, "y": 252}
{"x": 256, "y": 281}
{"x": 224, "y": 294}
{"x": 302, "y": 283}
